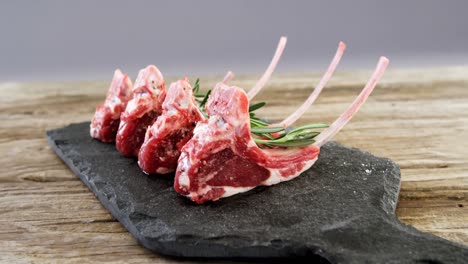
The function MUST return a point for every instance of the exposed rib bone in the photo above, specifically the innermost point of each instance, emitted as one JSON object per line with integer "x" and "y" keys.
{"x": 326, "y": 77}
{"x": 228, "y": 77}
{"x": 339, "y": 123}
{"x": 271, "y": 68}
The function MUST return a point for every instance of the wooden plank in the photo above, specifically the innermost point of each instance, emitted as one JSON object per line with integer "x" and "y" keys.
{"x": 419, "y": 118}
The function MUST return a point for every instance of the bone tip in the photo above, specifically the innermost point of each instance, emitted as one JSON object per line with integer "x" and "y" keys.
{"x": 342, "y": 45}
{"x": 228, "y": 77}
{"x": 384, "y": 60}
{"x": 283, "y": 39}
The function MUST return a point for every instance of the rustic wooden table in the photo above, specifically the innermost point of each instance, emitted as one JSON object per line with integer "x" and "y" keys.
{"x": 419, "y": 118}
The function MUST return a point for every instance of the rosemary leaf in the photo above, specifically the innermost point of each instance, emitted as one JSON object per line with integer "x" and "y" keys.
{"x": 205, "y": 99}
{"x": 258, "y": 122}
{"x": 308, "y": 127}
{"x": 256, "y": 106}
{"x": 269, "y": 130}
{"x": 196, "y": 87}
{"x": 289, "y": 143}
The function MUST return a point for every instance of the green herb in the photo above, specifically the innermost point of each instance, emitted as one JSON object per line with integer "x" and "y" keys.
{"x": 256, "y": 106}
{"x": 266, "y": 130}
{"x": 297, "y": 137}
{"x": 205, "y": 99}
{"x": 196, "y": 87}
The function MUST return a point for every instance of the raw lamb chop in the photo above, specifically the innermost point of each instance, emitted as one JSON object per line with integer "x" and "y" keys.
{"x": 142, "y": 110}
{"x": 166, "y": 137}
{"x": 106, "y": 120}
{"x": 168, "y": 134}
{"x": 222, "y": 158}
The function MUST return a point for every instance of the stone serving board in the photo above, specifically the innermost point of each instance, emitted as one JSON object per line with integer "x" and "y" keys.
{"x": 342, "y": 210}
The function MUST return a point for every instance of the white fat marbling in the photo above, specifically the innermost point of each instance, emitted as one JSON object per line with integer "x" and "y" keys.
{"x": 184, "y": 180}
{"x": 275, "y": 175}
{"x": 230, "y": 191}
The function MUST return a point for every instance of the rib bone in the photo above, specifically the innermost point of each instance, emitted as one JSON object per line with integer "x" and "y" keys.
{"x": 269, "y": 71}
{"x": 339, "y": 123}
{"x": 326, "y": 77}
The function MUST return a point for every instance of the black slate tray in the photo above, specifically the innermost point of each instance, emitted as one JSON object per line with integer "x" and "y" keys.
{"x": 342, "y": 210}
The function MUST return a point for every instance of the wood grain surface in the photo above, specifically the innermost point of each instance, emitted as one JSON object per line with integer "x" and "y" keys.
{"x": 419, "y": 118}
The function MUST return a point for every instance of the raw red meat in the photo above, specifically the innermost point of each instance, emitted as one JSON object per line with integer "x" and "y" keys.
{"x": 222, "y": 158}
{"x": 142, "y": 111}
{"x": 166, "y": 137}
{"x": 106, "y": 120}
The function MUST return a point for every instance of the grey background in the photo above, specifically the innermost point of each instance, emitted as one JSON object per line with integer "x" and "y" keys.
{"x": 62, "y": 40}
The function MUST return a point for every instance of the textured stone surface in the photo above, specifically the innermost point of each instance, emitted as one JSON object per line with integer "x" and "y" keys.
{"x": 340, "y": 210}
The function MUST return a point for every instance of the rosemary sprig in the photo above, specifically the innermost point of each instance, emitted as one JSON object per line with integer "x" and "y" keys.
{"x": 264, "y": 135}
{"x": 255, "y": 121}
{"x": 297, "y": 137}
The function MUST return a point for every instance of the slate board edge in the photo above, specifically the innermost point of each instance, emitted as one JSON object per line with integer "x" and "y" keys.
{"x": 393, "y": 178}
{"x": 109, "y": 205}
